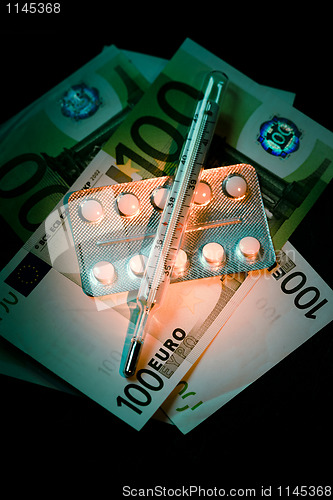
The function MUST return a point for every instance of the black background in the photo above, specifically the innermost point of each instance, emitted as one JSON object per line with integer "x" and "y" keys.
{"x": 277, "y": 431}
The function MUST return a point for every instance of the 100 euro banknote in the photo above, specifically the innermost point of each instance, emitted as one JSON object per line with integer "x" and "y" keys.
{"x": 12, "y": 361}
{"x": 18, "y": 365}
{"x": 286, "y": 307}
{"x": 79, "y": 354}
{"x": 46, "y": 146}
{"x": 44, "y": 312}
{"x": 292, "y": 154}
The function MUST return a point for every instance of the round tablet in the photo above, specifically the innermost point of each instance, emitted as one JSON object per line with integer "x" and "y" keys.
{"x": 104, "y": 272}
{"x": 235, "y": 186}
{"x": 181, "y": 261}
{"x": 249, "y": 247}
{"x": 128, "y": 204}
{"x": 213, "y": 253}
{"x": 159, "y": 197}
{"x": 91, "y": 210}
{"x": 137, "y": 264}
{"x": 203, "y": 194}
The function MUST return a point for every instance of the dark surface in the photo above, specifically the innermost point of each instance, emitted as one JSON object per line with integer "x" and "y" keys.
{"x": 277, "y": 431}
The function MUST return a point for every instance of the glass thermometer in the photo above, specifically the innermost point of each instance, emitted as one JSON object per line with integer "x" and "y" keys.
{"x": 174, "y": 217}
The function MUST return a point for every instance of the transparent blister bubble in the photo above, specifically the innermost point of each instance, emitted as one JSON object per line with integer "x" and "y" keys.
{"x": 113, "y": 229}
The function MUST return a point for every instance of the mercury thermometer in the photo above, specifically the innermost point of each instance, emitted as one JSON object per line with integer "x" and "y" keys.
{"x": 172, "y": 226}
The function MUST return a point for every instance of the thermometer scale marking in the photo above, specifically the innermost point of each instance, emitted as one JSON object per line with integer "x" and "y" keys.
{"x": 183, "y": 193}
{"x": 175, "y": 215}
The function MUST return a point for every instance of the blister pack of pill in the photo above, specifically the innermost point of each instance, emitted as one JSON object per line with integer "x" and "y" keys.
{"x": 114, "y": 226}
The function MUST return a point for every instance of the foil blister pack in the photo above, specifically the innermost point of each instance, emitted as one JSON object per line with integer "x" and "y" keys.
{"x": 114, "y": 226}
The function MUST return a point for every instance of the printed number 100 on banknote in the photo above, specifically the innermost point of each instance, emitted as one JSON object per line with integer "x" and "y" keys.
{"x": 291, "y": 153}
{"x": 82, "y": 335}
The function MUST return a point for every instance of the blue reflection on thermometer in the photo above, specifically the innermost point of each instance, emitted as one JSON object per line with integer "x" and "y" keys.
{"x": 174, "y": 218}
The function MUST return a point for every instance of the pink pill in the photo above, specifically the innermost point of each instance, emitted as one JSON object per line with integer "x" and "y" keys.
{"x": 159, "y": 197}
{"x": 128, "y": 204}
{"x": 138, "y": 264}
{"x": 104, "y": 272}
{"x": 213, "y": 253}
{"x": 235, "y": 186}
{"x": 203, "y": 194}
{"x": 249, "y": 247}
{"x": 91, "y": 211}
{"x": 181, "y": 261}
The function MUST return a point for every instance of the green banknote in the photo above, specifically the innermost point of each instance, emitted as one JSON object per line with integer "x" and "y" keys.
{"x": 46, "y": 146}
{"x": 291, "y": 153}
{"x": 82, "y": 339}
{"x": 12, "y": 362}
{"x": 71, "y": 334}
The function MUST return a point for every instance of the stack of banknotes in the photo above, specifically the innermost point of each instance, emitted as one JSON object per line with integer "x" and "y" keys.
{"x": 122, "y": 117}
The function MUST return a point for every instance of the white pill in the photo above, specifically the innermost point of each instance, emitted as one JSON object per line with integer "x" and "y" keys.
{"x": 181, "y": 261}
{"x": 203, "y": 194}
{"x": 159, "y": 197}
{"x": 104, "y": 272}
{"x": 235, "y": 186}
{"x": 213, "y": 253}
{"x": 138, "y": 264}
{"x": 249, "y": 247}
{"x": 128, "y": 204}
{"x": 91, "y": 210}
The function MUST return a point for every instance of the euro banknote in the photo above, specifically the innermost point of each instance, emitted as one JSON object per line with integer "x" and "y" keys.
{"x": 285, "y": 308}
{"x": 49, "y": 245}
{"x": 84, "y": 340}
{"x": 292, "y": 154}
{"x": 57, "y": 264}
{"x": 12, "y": 361}
{"x": 47, "y": 145}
